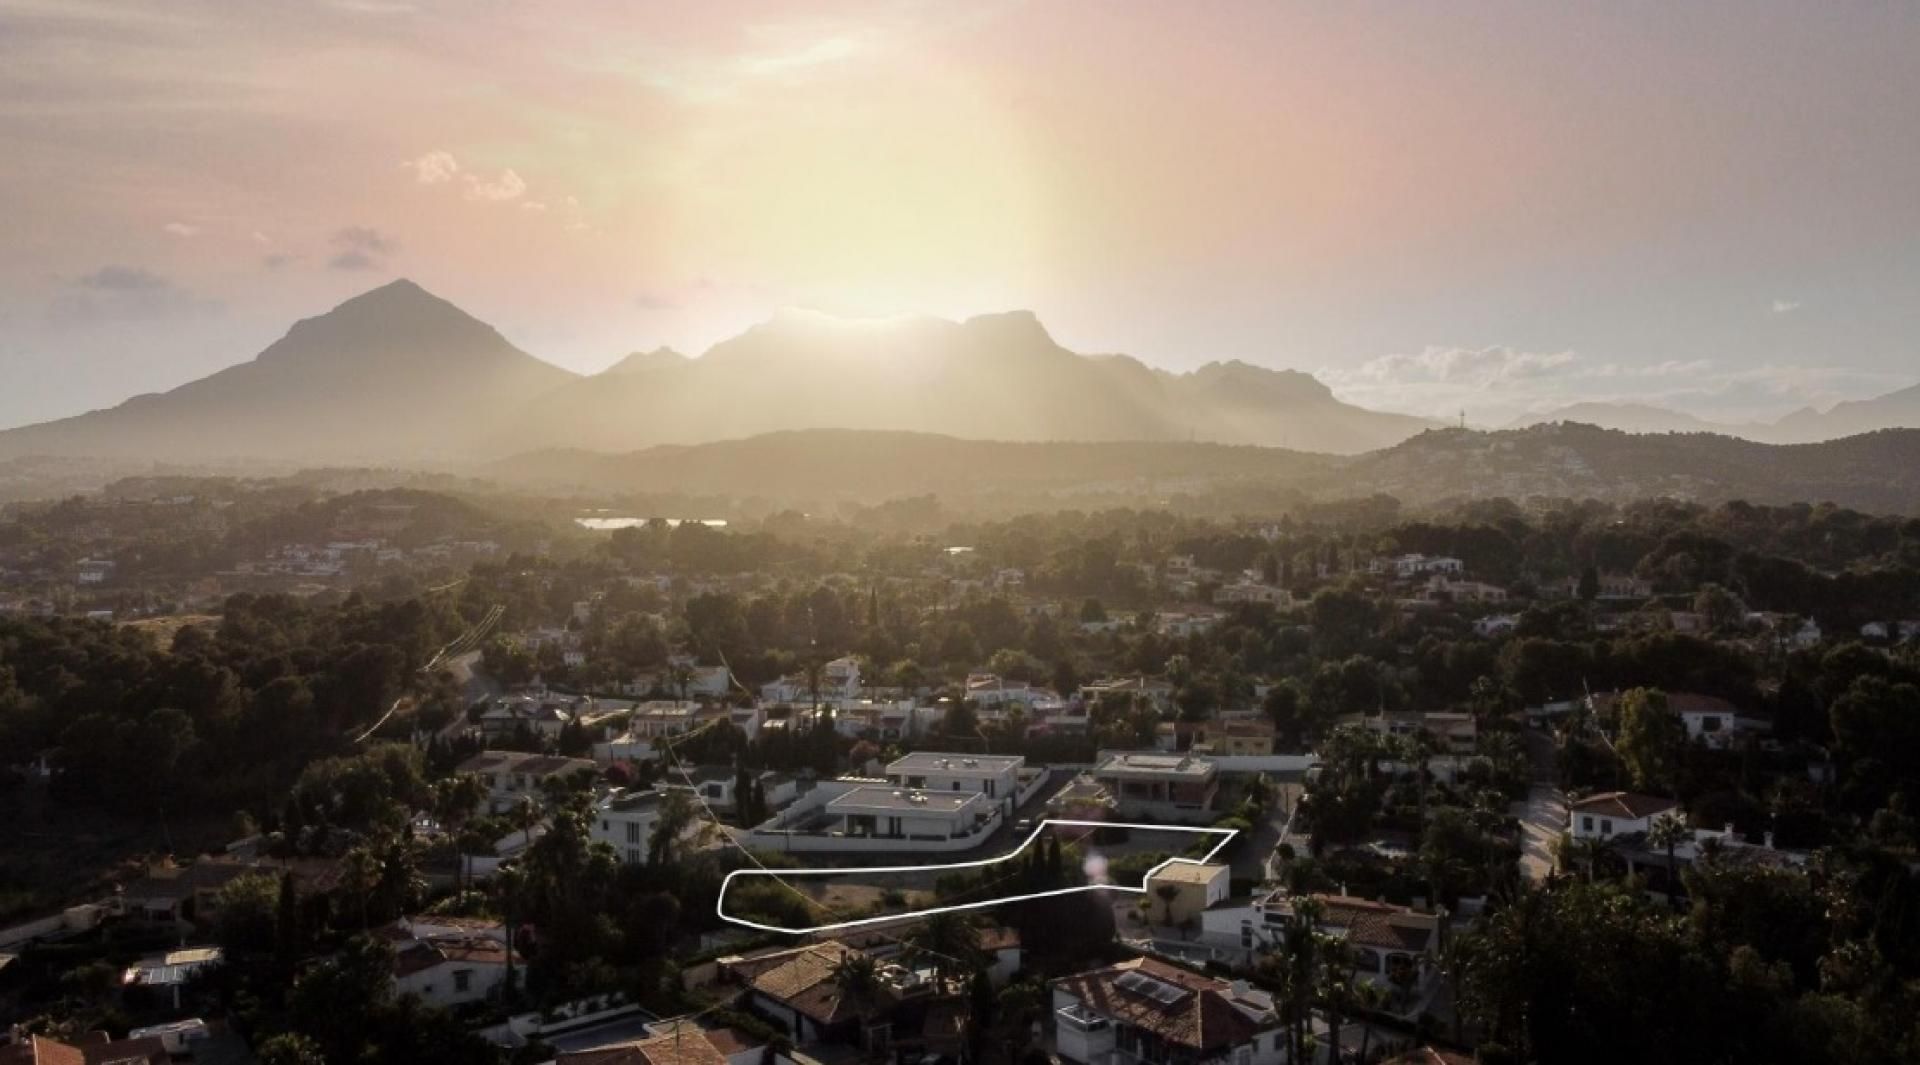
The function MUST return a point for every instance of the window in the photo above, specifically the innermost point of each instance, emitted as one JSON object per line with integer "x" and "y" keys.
{"x": 956, "y": 785}
{"x": 1710, "y": 723}
{"x": 633, "y": 831}
{"x": 463, "y": 979}
{"x": 1606, "y": 826}
{"x": 634, "y": 857}
{"x": 714, "y": 790}
{"x": 1586, "y": 824}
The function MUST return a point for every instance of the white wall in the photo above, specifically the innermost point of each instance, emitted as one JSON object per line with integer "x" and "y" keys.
{"x": 435, "y": 986}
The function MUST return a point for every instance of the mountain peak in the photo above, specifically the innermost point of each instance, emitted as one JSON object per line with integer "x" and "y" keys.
{"x": 643, "y": 361}
{"x": 1015, "y": 327}
{"x": 398, "y": 316}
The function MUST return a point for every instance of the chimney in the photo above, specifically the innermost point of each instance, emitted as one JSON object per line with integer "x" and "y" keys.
{"x": 1728, "y": 831}
{"x": 1768, "y": 839}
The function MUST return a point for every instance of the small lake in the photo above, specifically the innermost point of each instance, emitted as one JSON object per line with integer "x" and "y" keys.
{"x": 609, "y": 524}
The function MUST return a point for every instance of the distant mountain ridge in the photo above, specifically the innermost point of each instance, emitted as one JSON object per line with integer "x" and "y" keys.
{"x": 1895, "y": 410}
{"x": 399, "y": 375}
{"x": 995, "y": 376}
{"x": 1878, "y": 471}
{"x": 393, "y": 374}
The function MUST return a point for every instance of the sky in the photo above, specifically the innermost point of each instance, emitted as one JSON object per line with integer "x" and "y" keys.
{"x": 1493, "y": 208}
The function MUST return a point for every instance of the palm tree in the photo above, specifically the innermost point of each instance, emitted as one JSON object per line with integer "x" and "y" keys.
{"x": 951, "y": 940}
{"x": 1369, "y": 998}
{"x": 1336, "y": 988}
{"x": 526, "y": 814}
{"x": 1586, "y": 852}
{"x": 1167, "y": 893}
{"x": 1669, "y": 832}
{"x": 508, "y": 884}
{"x": 454, "y": 801}
{"x": 1302, "y": 946}
{"x": 676, "y": 813}
{"x": 362, "y": 874}
{"x": 856, "y": 974}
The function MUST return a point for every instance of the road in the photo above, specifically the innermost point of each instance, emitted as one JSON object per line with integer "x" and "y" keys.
{"x": 1252, "y": 857}
{"x": 1543, "y": 815}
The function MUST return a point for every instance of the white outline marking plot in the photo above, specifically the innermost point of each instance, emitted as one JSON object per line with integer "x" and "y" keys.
{"x": 720, "y": 904}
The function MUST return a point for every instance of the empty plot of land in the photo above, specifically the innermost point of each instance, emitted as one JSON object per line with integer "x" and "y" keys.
{"x": 1103, "y": 850}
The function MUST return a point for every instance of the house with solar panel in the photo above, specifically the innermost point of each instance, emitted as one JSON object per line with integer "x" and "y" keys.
{"x": 1147, "y": 1010}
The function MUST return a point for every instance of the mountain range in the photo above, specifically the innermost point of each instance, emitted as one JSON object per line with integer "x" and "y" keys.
{"x": 809, "y": 407}
{"x": 1803, "y": 426}
{"x": 400, "y": 376}
{"x": 1877, "y": 472}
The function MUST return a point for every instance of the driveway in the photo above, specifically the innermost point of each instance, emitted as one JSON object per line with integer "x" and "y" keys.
{"x": 1543, "y": 816}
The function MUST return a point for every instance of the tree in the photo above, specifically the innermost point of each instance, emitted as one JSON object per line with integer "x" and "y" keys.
{"x": 1722, "y": 610}
{"x": 290, "y": 1048}
{"x": 335, "y": 1001}
{"x": 676, "y": 814}
{"x": 1167, "y": 893}
{"x": 361, "y": 873}
{"x": 1668, "y": 832}
{"x": 1652, "y": 741}
{"x": 857, "y": 975}
{"x": 509, "y": 887}
{"x": 247, "y": 909}
{"x": 1563, "y": 975}
{"x": 455, "y": 801}
{"x": 951, "y": 940}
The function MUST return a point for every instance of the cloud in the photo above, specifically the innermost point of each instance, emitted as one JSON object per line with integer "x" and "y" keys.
{"x": 123, "y": 279}
{"x": 816, "y": 53}
{"x": 117, "y": 293}
{"x": 261, "y": 238}
{"x": 1496, "y": 385}
{"x": 180, "y": 229}
{"x": 1785, "y": 306}
{"x": 533, "y": 205}
{"x": 508, "y": 186}
{"x": 373, "y": 7}
{"x": 656, "y": 300}
{"x": 439, "y": 167}
{"x": 1475, "y": 367}
{"x": 434, "y": 167}
{"x": 361, "y": 248}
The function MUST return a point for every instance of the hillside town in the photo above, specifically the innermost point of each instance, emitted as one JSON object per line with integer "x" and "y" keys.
{"x": 1330, "y": 790}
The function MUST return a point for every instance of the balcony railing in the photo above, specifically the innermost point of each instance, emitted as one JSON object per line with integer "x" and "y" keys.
{"x": 1080, "y": 1019}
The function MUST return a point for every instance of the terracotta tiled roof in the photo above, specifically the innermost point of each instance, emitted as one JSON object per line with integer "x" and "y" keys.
{"x": 1429, "y": 1056}
{"x": 999, "y": 937}
{"x": 1203, "y": 1018}
{"x": 93, "y": 1048}
{"x": 423, "y": 954}
{"x": 1626, "y": 805}
{"x": 803, "y": 980}
{"x": 1368, "y": 923}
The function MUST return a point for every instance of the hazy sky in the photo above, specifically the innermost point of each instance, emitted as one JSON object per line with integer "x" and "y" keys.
{"x": 1432, "y": 205}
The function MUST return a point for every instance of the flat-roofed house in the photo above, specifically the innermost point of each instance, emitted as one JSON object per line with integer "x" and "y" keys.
{"x": 625, "y": 821}
{"x": 906, "y": 814}
{"x": 1180, "y": 891}
{"x": 511, "y": 776}
{"x": 996, "y": 776}
{"x": 1159, "y": 787}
